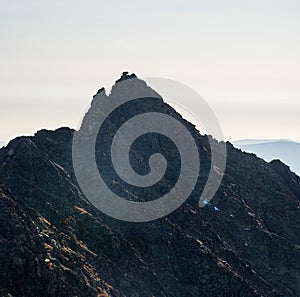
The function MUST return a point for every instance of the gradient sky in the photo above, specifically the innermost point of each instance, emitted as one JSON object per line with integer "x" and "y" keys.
{"x": 243, "y": 58}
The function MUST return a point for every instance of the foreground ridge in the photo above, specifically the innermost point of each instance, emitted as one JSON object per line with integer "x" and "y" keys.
{"x": 53, "y": 242}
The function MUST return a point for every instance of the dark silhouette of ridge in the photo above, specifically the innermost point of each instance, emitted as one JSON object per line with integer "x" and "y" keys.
{"x": 53, "y": 242}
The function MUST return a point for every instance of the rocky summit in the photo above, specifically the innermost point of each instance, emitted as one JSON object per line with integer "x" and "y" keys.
{"x": 53, "y": 242}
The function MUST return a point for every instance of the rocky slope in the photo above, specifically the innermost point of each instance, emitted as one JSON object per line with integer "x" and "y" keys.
{"x": 53, "y": 242}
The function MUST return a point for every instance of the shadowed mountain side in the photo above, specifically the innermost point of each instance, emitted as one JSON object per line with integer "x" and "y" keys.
{"x": 245, "y": 242}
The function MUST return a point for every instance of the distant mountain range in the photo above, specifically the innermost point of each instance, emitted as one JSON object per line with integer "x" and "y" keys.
{"x": 285, "y": 150}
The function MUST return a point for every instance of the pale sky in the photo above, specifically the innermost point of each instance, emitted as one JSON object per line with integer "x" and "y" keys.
{"x": 242, "y": 58}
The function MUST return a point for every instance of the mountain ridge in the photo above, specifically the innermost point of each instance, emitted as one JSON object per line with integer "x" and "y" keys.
{"x": 244, "y": 242}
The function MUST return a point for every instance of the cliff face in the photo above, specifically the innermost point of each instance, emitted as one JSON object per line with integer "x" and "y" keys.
{"x": 54, "y": 242}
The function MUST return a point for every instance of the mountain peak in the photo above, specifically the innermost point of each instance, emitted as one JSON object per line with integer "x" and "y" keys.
{"x": 125, "y": 75}
{"x": 244, "y": 242}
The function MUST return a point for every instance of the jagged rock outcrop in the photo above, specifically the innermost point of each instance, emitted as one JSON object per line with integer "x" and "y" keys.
{"x": 53, "y": 242}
